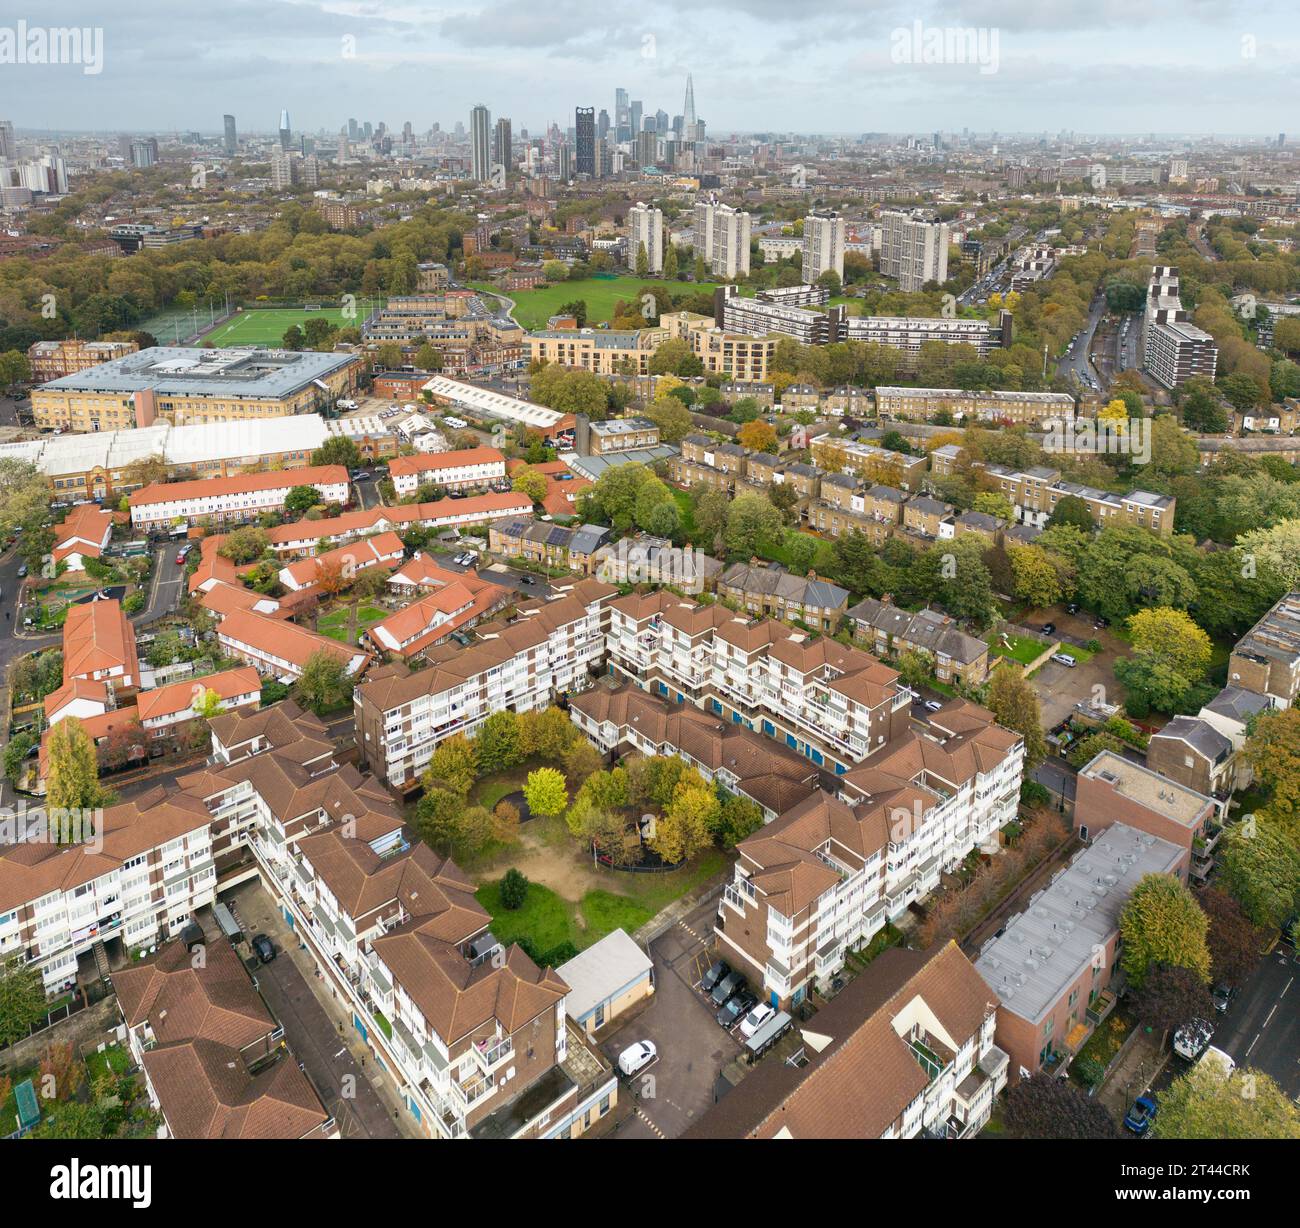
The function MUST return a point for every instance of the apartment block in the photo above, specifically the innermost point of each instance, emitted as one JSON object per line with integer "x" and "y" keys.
{"x": 213, "y": 1056}
{"x": 165, "y": 710}
{"x": 645, "y": 231}
{"x": 148, "y": 867}
{"x": 473, "y": 1034}
{"x": 1034, "y": 493}
{"x": 185, "y": 386}
{"x": 914, "y": 250}
{"x": 1053, "y": 966}
{"x": 906, "y": 1050}
{"x": 51, "y": 360}
{"x": 279, "y": 649}
{"x": 823, "y": 244}
{"x": 599, "y": 350}
{"x": 550, "y": 649}
{"x": 831, "y": 704}
{"x": 1266, "y": 660}
{"x": 1173, "y": 348}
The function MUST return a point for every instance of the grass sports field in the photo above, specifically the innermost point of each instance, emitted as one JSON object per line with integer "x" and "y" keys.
{"x": 534, "y": 307}
{"x": 267, "y": 325}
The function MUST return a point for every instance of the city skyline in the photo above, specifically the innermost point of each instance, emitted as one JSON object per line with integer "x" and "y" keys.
{"x": 1076, "y": 67}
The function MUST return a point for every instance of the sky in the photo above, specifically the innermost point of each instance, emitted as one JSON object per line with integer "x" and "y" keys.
{"x": 827, "y": 66}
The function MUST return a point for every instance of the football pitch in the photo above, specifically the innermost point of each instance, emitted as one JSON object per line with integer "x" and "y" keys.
{"x": 267, "y": 325}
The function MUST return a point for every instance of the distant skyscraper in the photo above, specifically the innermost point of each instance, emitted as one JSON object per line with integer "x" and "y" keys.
{"x": 602, "y": 124}
{"x": 8, "y": 145}
{"x": 688, "y": 111}
{"x": 633, "y": 120}
{"x": 585, "y": 120}
{"x": 647, "y": 149}
{"x": 286, "y": 135}
{"x": 480, "y": 144}
{"x": 622, "y": 124}
{"x": 564, "y": 162}
{"x": 501, "y": 144}
{"x": 231, "y": 140}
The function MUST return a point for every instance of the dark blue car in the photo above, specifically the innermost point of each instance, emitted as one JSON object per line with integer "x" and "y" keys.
{"x": 1139, "y": 1118}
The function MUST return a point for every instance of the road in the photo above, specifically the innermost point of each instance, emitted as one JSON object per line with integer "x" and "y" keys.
{"x": 1261, "y": 1028}
{"x": 1077, "y": 362}
{"x": 165, "y": 586}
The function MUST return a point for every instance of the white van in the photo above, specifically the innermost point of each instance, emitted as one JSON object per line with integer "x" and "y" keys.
{"x": 637, "y": 1057}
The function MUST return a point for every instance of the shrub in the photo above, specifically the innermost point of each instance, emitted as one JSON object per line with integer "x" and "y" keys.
{"x": 514, "y": 889}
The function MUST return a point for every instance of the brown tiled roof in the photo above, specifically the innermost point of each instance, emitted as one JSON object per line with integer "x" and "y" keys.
{"x": 29, "y": 871}
{"x": 859, "y": 1084}
{"x": 384, "y": 549}
{"x": 456, "y": 998}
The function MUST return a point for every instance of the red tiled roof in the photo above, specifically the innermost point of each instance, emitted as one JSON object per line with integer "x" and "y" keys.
{"x": 178, "y": 696}
{"x": 404, "y": 466}
{"x": 199, "y": 488}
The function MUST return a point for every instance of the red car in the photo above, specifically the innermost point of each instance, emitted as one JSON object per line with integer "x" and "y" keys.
{"x": 182, "y": 554}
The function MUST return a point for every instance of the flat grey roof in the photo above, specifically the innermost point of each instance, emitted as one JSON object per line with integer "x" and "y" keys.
{"x": 599, "y": 972}
{"x": 178, "y": 371}
{"x": 1045, "y": 949}
{"x": 1140, "y": 784}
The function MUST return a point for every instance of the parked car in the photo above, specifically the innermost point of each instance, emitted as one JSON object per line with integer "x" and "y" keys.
{"x": 181, "y": 555}
{"x": 361, "y": 477}
{"x": 527, "y": 580}
{"x": 264, "y": 948}
{"x": 637, "y": 1057}
{"x": 1139, "y": 1118}
{"x": 1064, "y": 658}
{"x": 714, "y": 975}
{"x": 737, "y": 1008}
{"x": 22, "y": 570}
{"x": 1192, "y": 1039}
{"x": 727, "y": 988}
{"x": 1223, "y": 996}
{"x": 1072, "y": 608}
{"x": 932, "y": 705}
{"x": 1049, "y": 628}
{"x": 756, "y": 1019}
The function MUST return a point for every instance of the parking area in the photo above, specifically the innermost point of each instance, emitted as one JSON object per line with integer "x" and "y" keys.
{"x": 333, "y": 1056}
{"x": 671, "y": 1093}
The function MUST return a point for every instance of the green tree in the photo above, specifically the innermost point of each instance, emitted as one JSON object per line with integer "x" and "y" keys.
{"x": 545, "y": 792}
{"x": 337, "y": 450}
{"x": 528, "y": 481}
{"x": 514, "y": 889}
{"x": 245, "y": 544}
{"x": 301, "y": 499}
{"x": 454, "y": 764}
{"x": 739, "y": 818}
{"x": 1161, "y": 923}
{"x": 687, "y": 825}
{"x": 324, "y": 683}
{"x": 1211, "y": 1102}
{"x": 498, "y": 743}
{"x": 1261, "y": 868}
{"x": 751, "y": 521}
{"x": 72, "y": 781}
{"x": 1013, "y": 700}
{"x": 22, "y": 1000}
{"x": 1073, "y": 511}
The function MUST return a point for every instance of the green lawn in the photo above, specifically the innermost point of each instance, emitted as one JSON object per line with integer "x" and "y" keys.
{"x": 1076, "y": 653}
{"x": 1023, "y": 648}
{"x": 686, "y": 505}
{"x": 534, "y": 307}
{"x": 267, "y": 325}
{"x": 114, "y": 1058}
{"x": 548, "y": 919}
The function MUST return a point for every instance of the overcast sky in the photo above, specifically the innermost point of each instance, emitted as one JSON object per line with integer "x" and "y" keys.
{"x": 1135, "y": 66}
